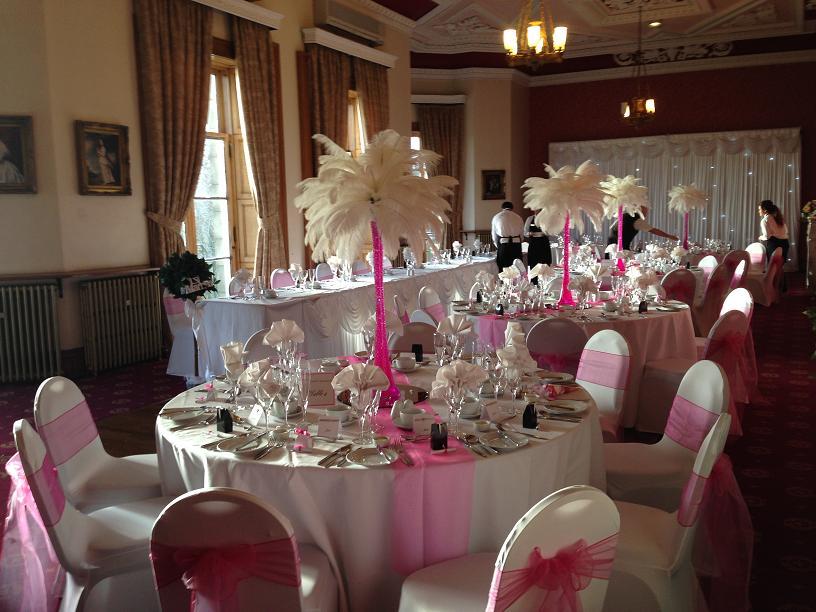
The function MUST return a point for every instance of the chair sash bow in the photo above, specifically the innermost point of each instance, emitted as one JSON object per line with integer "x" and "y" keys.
{"x": 688, "y": 423}
{"x": 557, "y": 362}
{"x": 558, "y": 578}
{"x": 213, "y": 574}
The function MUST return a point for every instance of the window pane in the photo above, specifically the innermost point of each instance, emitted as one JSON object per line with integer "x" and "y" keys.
{"x": 212, "y": 182}
{"x": 212, "y": 228}
{"x": 223, "y": 274}
{"x": 415, "y": 143}
{"x": 212, "y": 110}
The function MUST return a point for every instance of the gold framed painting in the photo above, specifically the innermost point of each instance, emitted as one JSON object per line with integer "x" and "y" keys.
{"x": 493, "y": 185}
{"x": 103, "y": 158}
{"x": 17, "y": 169}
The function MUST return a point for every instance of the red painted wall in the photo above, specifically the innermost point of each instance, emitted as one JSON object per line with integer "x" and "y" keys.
{"x": 711, "y": 101}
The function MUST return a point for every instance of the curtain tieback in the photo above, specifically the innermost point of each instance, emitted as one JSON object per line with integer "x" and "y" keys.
{"x": 163, "y": 221}
{"x": 268, "y": 223}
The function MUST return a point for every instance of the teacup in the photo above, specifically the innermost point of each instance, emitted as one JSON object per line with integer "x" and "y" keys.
{"x": 610, "y": 306}
{"x": 405, "y": 362}
{"x": 408, "y": 412}
{"x": 470, "y": 407}
{"x": 481, "y": 425}
{"x": 280, "y": 434}
{"x": 340, "y": 411}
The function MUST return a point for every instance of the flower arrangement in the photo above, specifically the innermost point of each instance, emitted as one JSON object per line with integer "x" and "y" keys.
{"x": 809, "y": 211}
{"x": 623, "y": 195}
{"x": 187, "y": 276}
{"x": 684, "y": 199}
{"x": 509, "y": 274}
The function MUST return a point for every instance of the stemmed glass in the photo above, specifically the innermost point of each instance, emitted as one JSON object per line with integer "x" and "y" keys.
{"x": 513, "y": 378}
{"x": 440, "y": 344}
{"x": 304, "y": 379}
{"x": 366, "y": 413}
{"x": 311, "y": 273}
{"x": 368, "y": 341}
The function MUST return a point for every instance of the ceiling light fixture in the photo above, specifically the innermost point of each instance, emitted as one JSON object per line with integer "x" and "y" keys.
{"x": 655, "y": 24}
{"x": 640, "y": 108}
{"x": 535, "y": 40}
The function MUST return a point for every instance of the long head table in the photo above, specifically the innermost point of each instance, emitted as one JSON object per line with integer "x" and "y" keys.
{"x": 331, "y": 317}
{"x": 378, "y": 524}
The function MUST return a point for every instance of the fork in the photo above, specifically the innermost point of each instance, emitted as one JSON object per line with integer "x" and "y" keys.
{"x": 396, "y": 444}
{"x": 503, "y": 433}
{"x": 208, "y": 421}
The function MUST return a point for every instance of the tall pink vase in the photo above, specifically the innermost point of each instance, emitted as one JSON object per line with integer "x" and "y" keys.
{"x": 621, "y": 264}
{"x": 382, "y": 356}
{"x": 685, "y": 231}
{"x": 566, "y": 294}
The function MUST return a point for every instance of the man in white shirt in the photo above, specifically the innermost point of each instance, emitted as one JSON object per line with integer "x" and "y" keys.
{"x": 506, "y": 230}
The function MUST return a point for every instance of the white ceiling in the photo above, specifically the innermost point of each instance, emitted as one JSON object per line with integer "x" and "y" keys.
{"x": 610, "y": 26}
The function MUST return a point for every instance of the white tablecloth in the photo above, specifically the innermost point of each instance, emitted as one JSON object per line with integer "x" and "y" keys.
{"x": 348, "y": 511}
{"x": 331, "y": 317}
{"x": 657, "y": 335}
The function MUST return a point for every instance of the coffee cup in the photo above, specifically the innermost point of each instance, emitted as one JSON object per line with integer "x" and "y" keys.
{"x": 470, "y": 407}
{"x": 481, "y": 425}
{"x": 407, "y": 413}
{"x": 610, "y": 306}
{"x": 340, "y": 411}
{"x": 405, "y": 362}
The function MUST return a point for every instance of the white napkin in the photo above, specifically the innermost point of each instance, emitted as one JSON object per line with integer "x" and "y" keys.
{"x": 359, "y": 377}
{"x": 596, "y": 271}
{"x": 458, "y": 376}
{"x": 455, "y": 324}
{"x": 585, "y": 250}
{"x": 514, "y": 334}
{"x": 392, "y": 323}
{"x": 295, "y": 267}
{"x": 678, "y": 253}
{"x": 486, "y": 280}
{"x": 268, "y": 383}
{"x": 646, "y": 279}
{"x": 232, "y": 352}
{"x": 660, "y": 253}
{"x": 542, "y": 271}
{"x": 517, "y": 358}
{"x": 283, "y": 330}
{"x": 334, "y": 262}
{"x": 584, "y": 284}
{"x": 509, "y": 274}
{"x": 456, "y": 244}
{"x": 252, "y": 375}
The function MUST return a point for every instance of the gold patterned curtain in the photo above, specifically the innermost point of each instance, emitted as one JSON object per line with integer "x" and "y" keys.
{"x": 173, "y": 49}
{"x": 442, "y": 129}
{"x": 329, "y": 84}
{"x": 259, "y": 74}
{"x": 371, "y": 84}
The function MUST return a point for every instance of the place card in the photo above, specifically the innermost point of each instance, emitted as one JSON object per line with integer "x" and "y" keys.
{"x": 321, "y": 392}
{"x": 257, "y": 417}
{"x": 495, "y": 412}
{"x": 328, "y": 427}
{"x": 422, "y": 424}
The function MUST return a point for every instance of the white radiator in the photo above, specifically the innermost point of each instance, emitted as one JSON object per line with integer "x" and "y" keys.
{"x": 121, "y": 320}
{"x": 29, "y": 336}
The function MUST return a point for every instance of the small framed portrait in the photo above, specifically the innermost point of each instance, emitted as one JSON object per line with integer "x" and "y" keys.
{"x": 103, "y": 160}
{"x": 493, "y": 185}
{"x": 17, "y": 172}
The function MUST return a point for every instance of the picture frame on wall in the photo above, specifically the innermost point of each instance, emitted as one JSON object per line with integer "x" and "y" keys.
{"x": 493, "y": 185}
{"x": 17, "y": 168}
{"x": 103, "y": 158}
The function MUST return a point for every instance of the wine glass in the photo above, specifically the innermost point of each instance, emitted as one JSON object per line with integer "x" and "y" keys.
{"x": 440, "y": 344}
{"x": 514, "y": 382}
{"x": 368, "y": 341}
{"x": 363, "y": 409}
{"x": 304, "y": 379}
{"x": 311, "y": 273}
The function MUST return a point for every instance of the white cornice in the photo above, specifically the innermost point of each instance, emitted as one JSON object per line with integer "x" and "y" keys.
{"x": 246, "y": 10}
{"x": 489, "y": 74}
{"x": 437, "y": 99}
{"x": 387, "y": 16}
{"x": 717, "y": 63}
{"x": 344, "y": 45}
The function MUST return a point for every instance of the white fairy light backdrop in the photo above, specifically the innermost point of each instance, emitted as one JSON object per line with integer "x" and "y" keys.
{"x": 736, "y": 169}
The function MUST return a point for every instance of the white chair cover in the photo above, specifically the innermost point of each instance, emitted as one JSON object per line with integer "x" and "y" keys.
{"x": 420, "y": 316}
{"x": 109, "y": 544}
{"x": 707, "y": 265}
{"x": 765, "y": 287}
{"x": 556, "y": 344}
{"x": 572, "y": 519}
{"x": 474, "y": 289}
{"x": 360, "y": 268}
{"x": 718, "y": 286}
{"x": 756, "y": 251}
{"x": 604, "y": 372}
{"x": 323, "y": 271}
{"x": 654, "y": 474}
{"x": 680, "y": 284}
{"x": 250, "y": 532}
{"x": 653, "y": 568}
{"x": 280, "y": 278}
{"x": 182, "y": 353}
{"x": 237, "y": 282}
{"x": 739, "y": 262}
{"x": 255, "y": 349}
{"x": 399, "y": 308}
{"x": 428, "y": 300}
{"x": 90, "y": 476}
{"x": 415, "y": 333}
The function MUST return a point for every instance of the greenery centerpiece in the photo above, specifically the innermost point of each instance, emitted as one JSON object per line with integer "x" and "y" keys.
{"x": 187, "y": 276}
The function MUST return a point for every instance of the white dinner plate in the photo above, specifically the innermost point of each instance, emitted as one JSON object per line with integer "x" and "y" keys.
{"x": 548, "y": 376}
{"x": 371, "y": 457}
{"x": 231, "y": 444}
{"x": 565, "y": 407}
{"x": 406, "y": 370}
{"x": 500, "y": 442}
{"x": 182, "y": 415}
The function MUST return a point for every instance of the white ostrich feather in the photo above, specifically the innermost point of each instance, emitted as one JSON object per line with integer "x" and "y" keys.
{"x": 624, "y": 192}
{"x": 685, "y": 198}
{"x": 347, "y": 194}
{"x": 567, "y": 191}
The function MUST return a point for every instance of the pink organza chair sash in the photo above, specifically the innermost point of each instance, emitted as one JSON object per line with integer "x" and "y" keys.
{"x": 173, "y": 305}
{"x": 730, "y": 343}
{"x": 31, "y": 578}
{"x": 359, "y": 268}
{"x": 46, "y": 481}
{"x": 559, "y": 578}
{"x": 557, "y": 362}
{"x": 215, "y": 573}
{"x": 679, "y": 291}
{"x": 69, "y": 433}
{"x": 688, "y": 423}
{"x": 604, "y": 369}
{"x": 436, "y": 311}
{"x": 324, "y": 273}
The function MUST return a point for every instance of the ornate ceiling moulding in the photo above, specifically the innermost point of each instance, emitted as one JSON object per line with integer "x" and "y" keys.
{"x": 616, "y": 12}
{"x": 676, "y": 54}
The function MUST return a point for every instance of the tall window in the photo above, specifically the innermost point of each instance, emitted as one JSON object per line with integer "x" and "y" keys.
{"x": 356, "y": 126}
{"x": 211, "y": 225}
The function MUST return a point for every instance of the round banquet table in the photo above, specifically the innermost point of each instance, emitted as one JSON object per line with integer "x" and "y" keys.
{"x": 656, "y": 335}
{"x": 378, "y": 524}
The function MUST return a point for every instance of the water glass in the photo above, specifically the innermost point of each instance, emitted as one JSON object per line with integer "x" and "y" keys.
{"x": 440, "y": 344}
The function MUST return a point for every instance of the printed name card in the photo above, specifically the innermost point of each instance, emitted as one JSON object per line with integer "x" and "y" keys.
{"x": 257, "y": 417}
{"x": 422, "y": 424}
{"x": 321, "y": 393}
{"x": 328, "y": 427}
{"x": 495, "y": 412}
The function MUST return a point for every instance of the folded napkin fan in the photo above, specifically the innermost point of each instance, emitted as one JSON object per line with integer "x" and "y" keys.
{"x": 457, "y": 376}
{"x": 255, "y": 370}
{"x": 584, "y": 284}
{"x": 509, "y": 274}
{"x": 646, "y": 279}
{"x": 232, "y": 353}
{"x": 359, "y": 377}
{"x": 282, "y": 331}
{"x": 455, "y": 324}
{"x": 486, "y": 280}
{"x": 517, "y": 358}
{"x": 393, "y": 324}
{"x": 542, "y": 271}
{"x": 514, "y": 334}
{"x": 268, "y": 383}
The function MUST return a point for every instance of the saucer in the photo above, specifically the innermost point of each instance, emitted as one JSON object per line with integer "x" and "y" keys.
{"x": 406, "y": 370}
{"x": 371, "y": 457}
{"x": 551, "y": 377}
{"x": 231, "y": 444}
{"x": 495, "y": 440}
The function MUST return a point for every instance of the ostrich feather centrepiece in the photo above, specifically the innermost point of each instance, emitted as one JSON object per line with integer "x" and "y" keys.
{"x": 625, "y": 193}
{"x": 348, "y": 194}
{"x": 685, "y": 198}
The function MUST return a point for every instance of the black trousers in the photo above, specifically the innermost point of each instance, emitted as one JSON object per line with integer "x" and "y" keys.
{"x": 506, "y": 252}
{"x": 539, "y": 251}
{"x": 771, "y": 244}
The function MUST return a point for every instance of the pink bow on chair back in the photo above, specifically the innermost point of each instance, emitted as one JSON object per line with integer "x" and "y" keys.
{"x": 213, "y": 574}
{"x": 680, "y": 284}
{"x": 557, "y": 362}
{"x": 688, "y": 423}
{"x": 436, "y": 311}
{"x": 604, "y": 369}
{"x": 558, "y": 579}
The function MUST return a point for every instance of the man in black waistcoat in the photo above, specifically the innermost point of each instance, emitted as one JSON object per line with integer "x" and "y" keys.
{"x": 632, "y": 224}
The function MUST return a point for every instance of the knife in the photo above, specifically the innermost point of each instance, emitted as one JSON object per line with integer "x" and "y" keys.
{"x": 249, "y": 441}
{"x": 325, "y": 461}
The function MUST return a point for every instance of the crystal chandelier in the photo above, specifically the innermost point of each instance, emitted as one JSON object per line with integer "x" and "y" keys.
{"x": 640, "y": 108}
{"x": 535, "y": 40}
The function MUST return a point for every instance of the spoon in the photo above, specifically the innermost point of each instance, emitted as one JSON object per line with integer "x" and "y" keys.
{"x": 474, "y": 440}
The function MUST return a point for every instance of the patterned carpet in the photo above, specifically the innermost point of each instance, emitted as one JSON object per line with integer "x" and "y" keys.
{"x": 775, "y": 462}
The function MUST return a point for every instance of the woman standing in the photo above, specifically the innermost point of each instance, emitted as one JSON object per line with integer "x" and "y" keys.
{"x": 538, "y": 250}
{"x": 773, "y": 232}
